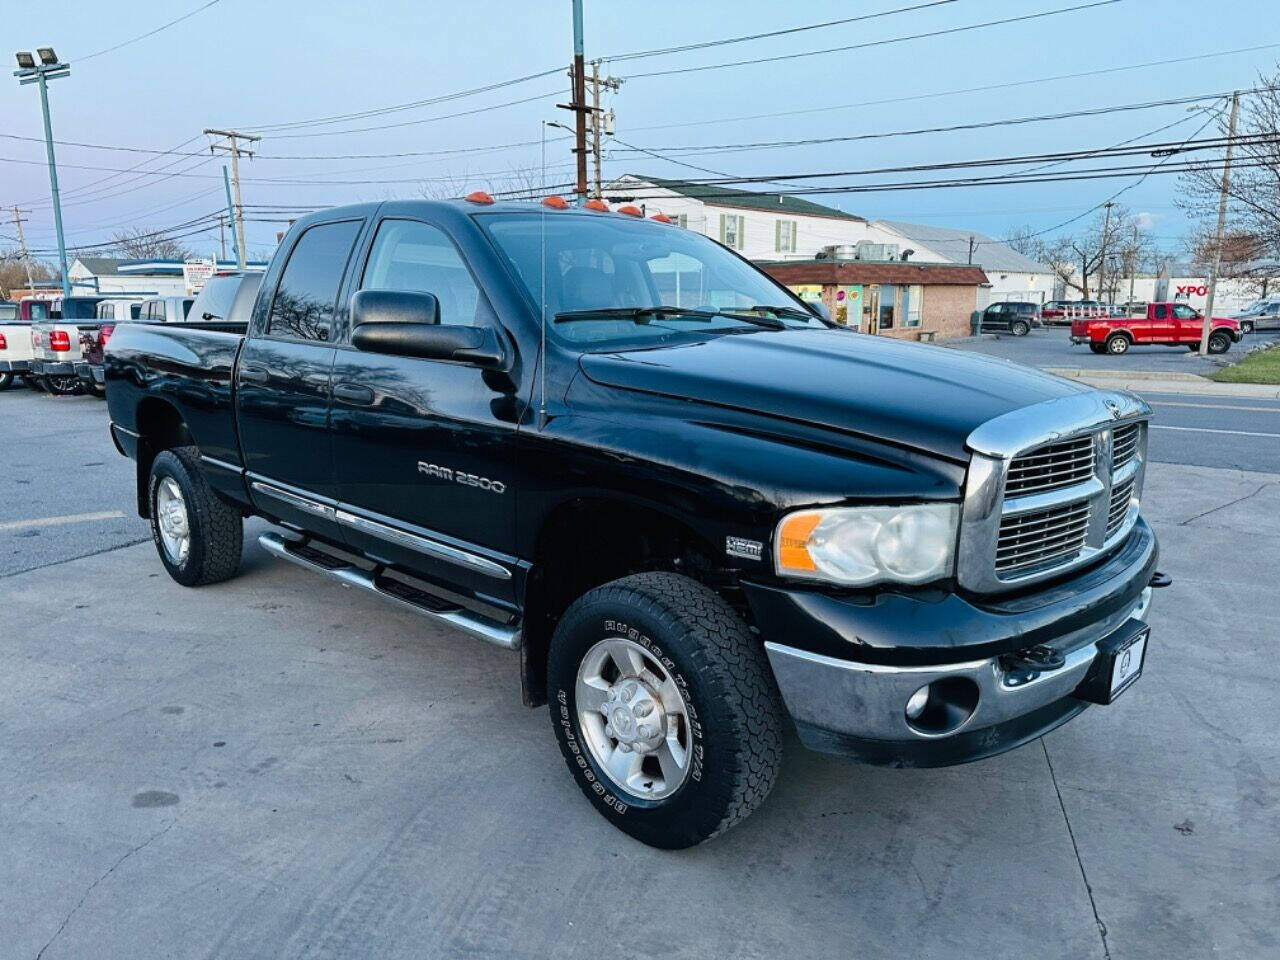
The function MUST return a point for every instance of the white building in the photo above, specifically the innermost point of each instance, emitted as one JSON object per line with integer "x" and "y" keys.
{"x": 93, "y": 275}
{"x": 1189, "y": 283}
{"x": 760, "y": 226}
{"x": 1012, "y": 275}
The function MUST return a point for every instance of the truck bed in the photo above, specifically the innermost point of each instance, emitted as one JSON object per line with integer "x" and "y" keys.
{"x": 188, "y": 364}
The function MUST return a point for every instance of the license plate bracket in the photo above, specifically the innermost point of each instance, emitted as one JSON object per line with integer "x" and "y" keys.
{"x": 1118, "y": 665}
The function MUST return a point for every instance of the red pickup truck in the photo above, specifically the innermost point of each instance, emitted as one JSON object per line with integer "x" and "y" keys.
{"x": 1172, "y": 324}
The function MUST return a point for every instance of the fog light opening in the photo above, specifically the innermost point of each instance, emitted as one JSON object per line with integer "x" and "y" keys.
{"x": 943, "y": 706}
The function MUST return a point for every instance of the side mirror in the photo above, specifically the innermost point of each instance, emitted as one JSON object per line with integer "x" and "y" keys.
{"x": 407, "y": 324}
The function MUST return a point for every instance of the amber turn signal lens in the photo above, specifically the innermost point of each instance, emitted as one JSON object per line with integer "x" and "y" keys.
{"x": 793, "y": 541}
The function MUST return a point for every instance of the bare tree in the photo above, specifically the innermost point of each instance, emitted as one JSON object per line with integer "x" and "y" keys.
{"x": 1077, "y": 260}
{"x": 13, "y": 274}
{"x": 1253, "y": 200}
{"x": 519, "y": 183}
{"x": 1027, "y": 241}
{"x": 140, "y": 243}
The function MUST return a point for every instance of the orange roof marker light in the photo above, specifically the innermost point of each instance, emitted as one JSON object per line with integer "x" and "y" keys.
{"x": 555, "y": 203}
{"x": 596, "y": 205}
{"x": 479, "y": 196}
{"x": 661, "y": 218}
{"x": 631, "y": 211}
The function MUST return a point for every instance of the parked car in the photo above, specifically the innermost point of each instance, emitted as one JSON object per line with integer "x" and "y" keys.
{"x": 15, "y": 345}
{"x": 1261, "y": 315}
{"x": 93, "y": 339}
{"x": 166, "y": 309}
{"x": 1010, "y": 317}
{"x": 58, "y": 344}
{"x": 1169, "y": 323}
{"x": 1063, "y": 312}
{"x": 691, "y": 512}
{"x": 226, "y": 296}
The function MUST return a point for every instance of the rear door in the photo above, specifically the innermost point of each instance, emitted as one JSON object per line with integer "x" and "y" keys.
{"x": 1157, "y": 326}
{"x": 283, "y": 377}
{"x": 423, "y": 448}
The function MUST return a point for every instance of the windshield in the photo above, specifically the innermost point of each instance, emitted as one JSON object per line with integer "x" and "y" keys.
{"x": 626, "y": 281}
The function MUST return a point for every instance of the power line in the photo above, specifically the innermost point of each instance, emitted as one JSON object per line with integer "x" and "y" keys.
{"x": 664, "y": 51}
{"x": 845, "y": 48}
{"x": 149, "y": 33}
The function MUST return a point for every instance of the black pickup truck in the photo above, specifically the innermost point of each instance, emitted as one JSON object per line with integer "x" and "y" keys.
{"x": 691, "y": 504}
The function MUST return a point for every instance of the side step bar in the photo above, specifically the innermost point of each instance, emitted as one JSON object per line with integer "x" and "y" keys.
{"x": 420, "y": 602}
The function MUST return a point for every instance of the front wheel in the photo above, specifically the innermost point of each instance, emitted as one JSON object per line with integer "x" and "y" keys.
{"x": 665, "y": 708}
{"x": 198, "y": 536}
{"x": 1219, "y": 343}
{"x": 1021, "y": 328}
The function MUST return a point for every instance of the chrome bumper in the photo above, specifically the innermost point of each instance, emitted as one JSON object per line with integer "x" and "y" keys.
{"x": 832, "y": 700}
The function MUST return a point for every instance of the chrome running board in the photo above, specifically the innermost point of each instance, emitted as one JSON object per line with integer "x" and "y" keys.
{"x": 419, "y": 601}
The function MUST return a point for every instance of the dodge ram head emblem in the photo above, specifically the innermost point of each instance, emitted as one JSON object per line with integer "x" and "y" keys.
{"x": 1113, "y": 407}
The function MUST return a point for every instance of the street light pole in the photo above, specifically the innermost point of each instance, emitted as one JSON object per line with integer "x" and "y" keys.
{"x": 30, "y": 72}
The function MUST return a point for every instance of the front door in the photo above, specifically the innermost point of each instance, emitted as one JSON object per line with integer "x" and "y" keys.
{"x": 1189, "y": 323}
{"x": 423, "y": 448}
{"x": 282, "y": 384}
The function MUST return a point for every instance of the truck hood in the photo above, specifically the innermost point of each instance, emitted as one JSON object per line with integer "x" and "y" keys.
{"x": 915, "y": 395}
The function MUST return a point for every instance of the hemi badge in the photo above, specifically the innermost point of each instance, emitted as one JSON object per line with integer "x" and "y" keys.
{"x": 741, "y": 547}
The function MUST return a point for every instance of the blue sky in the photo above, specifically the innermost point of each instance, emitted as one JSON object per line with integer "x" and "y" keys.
{"x": 245, "y": 64}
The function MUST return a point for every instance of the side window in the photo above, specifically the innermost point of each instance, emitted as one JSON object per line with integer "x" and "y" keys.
{"x": 996, "y": 308}
{"x": 408, "y": 255}
{"x": 1161, "y": 312}
{"x": 135, "y": 311}
{"x": 1183, "y": 312}
{"x": 186, "y": 307}
{"x": 308, "y": 290}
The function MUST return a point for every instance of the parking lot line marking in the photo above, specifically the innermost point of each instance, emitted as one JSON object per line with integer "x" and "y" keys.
{"x": 1236, "y": 433}
{"x": 58, "y": 521}
{"x": 1213, "y": 406}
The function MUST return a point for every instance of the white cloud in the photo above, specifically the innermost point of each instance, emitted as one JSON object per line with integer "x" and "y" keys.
{"x": 1145, "y": 221}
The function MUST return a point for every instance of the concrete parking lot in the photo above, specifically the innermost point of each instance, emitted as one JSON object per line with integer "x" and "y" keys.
{"x": 276, "y": 767}
{"x": 1051, "y": 347}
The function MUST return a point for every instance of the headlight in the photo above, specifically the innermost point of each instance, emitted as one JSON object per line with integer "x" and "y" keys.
{"x": 856, "y": 546}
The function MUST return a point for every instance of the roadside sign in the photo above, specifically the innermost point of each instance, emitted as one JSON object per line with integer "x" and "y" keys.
{"x": 195, "y": 272}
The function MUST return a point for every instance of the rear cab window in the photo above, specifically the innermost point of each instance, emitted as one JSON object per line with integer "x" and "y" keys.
{"x": 306, "y": 296}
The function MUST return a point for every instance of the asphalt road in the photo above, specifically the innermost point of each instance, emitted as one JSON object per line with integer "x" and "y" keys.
{"x": 276, "y": 767}
{"x": 1052, "y": 347}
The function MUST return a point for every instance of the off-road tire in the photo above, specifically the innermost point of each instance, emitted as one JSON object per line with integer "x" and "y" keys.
{"x": 1117, "y": 344}
{"x": 1020, "y": 328}
{"x": 732, "y": 698}
{"x": 1219, "y": 343}
{"x": 216, "y": 528}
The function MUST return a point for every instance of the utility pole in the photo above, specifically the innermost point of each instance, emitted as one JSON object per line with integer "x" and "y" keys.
{"x": 578, "y": 103}
{"x": 1133, "y": 267}
{"x": 600, "y": 122}
{"x": 1222, "y": 225}
{"x": 222, "y": 237}
{"x": 971, "y": 246}
{"x": 22, "y": 244}
{"x": 231, "y": 213}
{"x": 235, "y": 150}
{"x": 1102, "y": 260}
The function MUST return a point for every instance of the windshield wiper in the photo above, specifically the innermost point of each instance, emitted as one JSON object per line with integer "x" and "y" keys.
{"x": 638, "y": 314}
{"x": 795, "y": 313}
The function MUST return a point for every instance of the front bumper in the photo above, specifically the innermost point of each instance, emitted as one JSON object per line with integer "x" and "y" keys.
{"x": 853, "y": 702}
{"x": 15, "y": 366}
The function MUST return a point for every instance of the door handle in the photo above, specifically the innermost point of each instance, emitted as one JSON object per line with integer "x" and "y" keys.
{"x": 353, "y": 393}
{"x": 254, "y": 374}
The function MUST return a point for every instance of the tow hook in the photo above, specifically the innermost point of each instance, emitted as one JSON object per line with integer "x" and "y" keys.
{"x": 1160, "y": 580}
{"x": 1025, "y": 665}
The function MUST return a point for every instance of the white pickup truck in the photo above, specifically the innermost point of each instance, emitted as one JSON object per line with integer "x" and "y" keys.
{"x": 58, "y": 344}
{"x": 15, "y": 345}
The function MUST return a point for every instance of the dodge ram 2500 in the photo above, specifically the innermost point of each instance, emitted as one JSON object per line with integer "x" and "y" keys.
{"x": 693, "y": 505}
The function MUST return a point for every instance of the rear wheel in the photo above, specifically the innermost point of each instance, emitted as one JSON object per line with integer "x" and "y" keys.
{"x": 665, "y": 708}
{"x": 6, "y": 380}
{"x": 1021, "y": 328}
{"x": 1117, "y": 343}
{"x": 61, "y": 386}
{"x": 1219, "y": 343}
{"x": 198, "y": 536}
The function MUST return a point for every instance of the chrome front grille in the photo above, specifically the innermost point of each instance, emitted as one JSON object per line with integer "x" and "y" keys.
{"x": 1051, "y": 487}
{"x": 1051, "y": 467}
{"x": 1118, "y": 511}
{"x": 1031, "y": 540}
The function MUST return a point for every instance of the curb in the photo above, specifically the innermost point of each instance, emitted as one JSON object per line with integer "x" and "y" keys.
{"x": 1197, "y": 386}
{"x": 1077, "y": 374}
